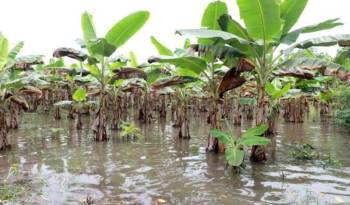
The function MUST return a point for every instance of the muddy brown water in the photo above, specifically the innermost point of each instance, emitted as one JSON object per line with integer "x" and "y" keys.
{"x": 67, "y": 168}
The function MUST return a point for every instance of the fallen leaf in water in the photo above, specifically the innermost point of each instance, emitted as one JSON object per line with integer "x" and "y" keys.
{"x": 339, "y": 200}
{"x": 162, "y": 201}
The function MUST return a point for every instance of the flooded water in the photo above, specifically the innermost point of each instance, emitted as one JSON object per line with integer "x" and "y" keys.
{"x": 67, "y": 168}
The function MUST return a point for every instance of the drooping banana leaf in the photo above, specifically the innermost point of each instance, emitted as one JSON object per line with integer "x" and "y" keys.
{"x": 292, "y": 37}
{"x": 25, "y": 62}
{"x": 295, "y": 72}
{"x": 233, "y": 78}
{"x": 221, "y": 52}
{"x": 128, "y": 73}
{"x": 304, "y": 61}
{"x": 321, "y": 41}
{"x": 31, "y": 90}
{"x": 70, "y": 52}
{"x": 133, "y": 84}
{"x": 71, "y": 71}
{"x": 172, "y": 81}
{"x": 21, "y": 101}
{"x": 324, "y": 25}
{"x": 324, "y": 67}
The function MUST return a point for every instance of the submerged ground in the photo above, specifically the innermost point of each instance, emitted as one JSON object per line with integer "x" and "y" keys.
{"x": 67, "y": 168}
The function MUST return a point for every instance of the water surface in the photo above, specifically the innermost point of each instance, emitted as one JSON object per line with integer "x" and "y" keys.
{"x": 67, "y": 168}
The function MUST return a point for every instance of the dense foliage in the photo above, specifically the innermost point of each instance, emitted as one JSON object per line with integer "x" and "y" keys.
{"x": 342, "y": 104}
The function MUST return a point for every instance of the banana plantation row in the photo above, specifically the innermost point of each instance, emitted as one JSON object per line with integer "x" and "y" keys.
{"x": 258, "y": 71}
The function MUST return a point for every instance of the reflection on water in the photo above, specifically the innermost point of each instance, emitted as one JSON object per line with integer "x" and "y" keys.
{"x": 72, "y": 166}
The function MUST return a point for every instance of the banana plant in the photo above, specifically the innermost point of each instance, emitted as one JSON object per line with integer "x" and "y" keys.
{"x": 78, "y": 104}
{"x": 10, "y": 89}
{"x": 268, "y": 24}
{"x": 100, "y": 49}
{"x": 180, "y": 82}
{"x": 275, "y": 94}
{"x": 235, "y": 146}
{"x": 206, "y": 68}
{"x": 72, "y": 76}
{"x": 130, "y": 131}
{"x": 181, "y": 85}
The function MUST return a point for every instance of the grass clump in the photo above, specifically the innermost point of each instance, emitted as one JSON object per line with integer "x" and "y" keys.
{"x": 12, "y": 191}
{"x": 304, "y": 152}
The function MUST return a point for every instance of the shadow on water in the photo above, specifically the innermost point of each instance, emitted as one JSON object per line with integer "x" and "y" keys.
{"x": 71, "y": 166}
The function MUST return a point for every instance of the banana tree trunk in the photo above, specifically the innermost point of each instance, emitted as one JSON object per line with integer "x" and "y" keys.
{"x": 70, "y": 114}
{"x": 34, "y": 103}
{"x": 250, "y": 113}
{"x": 177, "y": 113}
{"x": 14, "y": 109}
{"x": 117, "y": 115}
{"x": 272, "y": 122}
{"x": 3, "y": 130}
{"x": 162, "y": 111}
{"x": 225, "y": 109}
{"x": 99, "y": 126}
{"x": 237, "y": 115}
{"x": 214, "y": 117}
{"x": 145, "y": 113}
{"x": 325, "y": 108}
{"x": 57, "y": 113}
{"x": 45, "y": 101}
{"x": 258, "y": 153}
{"x": 294, "y": 110}
{"x": 184, "y": 131}
{"x": 173, "y": 109}
{"x": 79, "y": 123}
